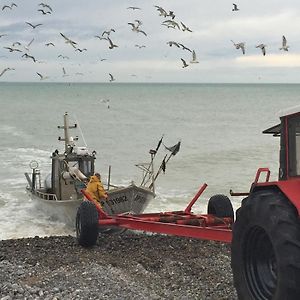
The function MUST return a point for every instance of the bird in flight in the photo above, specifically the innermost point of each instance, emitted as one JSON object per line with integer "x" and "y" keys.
{"x": 185, "y": 48}
{"x": 133, "y": 7}
{"x": 10, "y": 7}
{"x": 171, "y": 23}
{"x": 68, "y": 41}
{"x": 235, "y": 8}
{"x": 284, "y": 47}
{"x": 29, "y": 56}
{"x": 136, "y": 28}
{"x": 239, "y": 46}
{"x": 185, "y": 28}
{"x": 1, "y": 35}
{"x": 162, "y": 12}
{"x": 140, "y": 46}
{"x": 45, "y": 5}
{"x": 80, "y": 50}
{"x": 111, "y": 44}
{"x": 111, "y": 78}
{"x": 184, "y": 63}
{"x": 107, "y": 32}
{"x": 49, "y": 44}
{"x": 171, "y": 43}
{"x": 41, "y": 76}
{"x": 44, "y": 12}
{"x": 263, "y": 48}
{"x": 12, "y": 49}
{"x": 194, "y": 58}
{"x": 5, "y": 70}
{"x": 33, "y": 26}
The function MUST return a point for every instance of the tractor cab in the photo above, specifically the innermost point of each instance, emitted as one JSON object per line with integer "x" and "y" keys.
{"x": 289, "y": 132}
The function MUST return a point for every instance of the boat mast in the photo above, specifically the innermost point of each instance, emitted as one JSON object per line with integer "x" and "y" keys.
{"x": 67, "y": 138}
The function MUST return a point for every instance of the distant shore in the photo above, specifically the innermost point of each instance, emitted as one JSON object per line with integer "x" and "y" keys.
{"x": 127, "y": 266}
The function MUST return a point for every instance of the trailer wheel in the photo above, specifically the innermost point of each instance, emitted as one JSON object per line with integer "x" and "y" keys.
{"x": 265, "y": 250}
{"x": 87, "y": 224}
{"x": 220, "y": 206}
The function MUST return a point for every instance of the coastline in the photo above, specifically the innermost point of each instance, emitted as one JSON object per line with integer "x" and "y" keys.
{"x": 128, "y": 266}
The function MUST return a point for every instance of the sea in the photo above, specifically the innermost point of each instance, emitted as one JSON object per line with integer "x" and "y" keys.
{"x": 219, "y": 126}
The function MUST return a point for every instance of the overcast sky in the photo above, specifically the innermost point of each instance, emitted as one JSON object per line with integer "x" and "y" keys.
{"x": 213, "y": 25}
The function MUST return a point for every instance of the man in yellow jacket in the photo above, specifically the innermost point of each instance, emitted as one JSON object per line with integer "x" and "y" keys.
{"x": 95, "y": 188}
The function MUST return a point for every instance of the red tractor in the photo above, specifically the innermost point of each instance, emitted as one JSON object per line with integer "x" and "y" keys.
{"x": 265, "y": 255}
{"x": 265, "y": 237}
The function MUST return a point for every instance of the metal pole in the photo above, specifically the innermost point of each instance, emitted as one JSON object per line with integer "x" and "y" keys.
{"x": 108, "y": 180}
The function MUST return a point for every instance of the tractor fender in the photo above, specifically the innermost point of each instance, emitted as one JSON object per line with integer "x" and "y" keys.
{"x": 290, "y": 188}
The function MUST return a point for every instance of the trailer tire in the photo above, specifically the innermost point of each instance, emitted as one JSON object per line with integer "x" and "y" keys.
{"x": 220, "y": 206}
{"x": 265, "y": 249}
{"x": 87, "y": 224}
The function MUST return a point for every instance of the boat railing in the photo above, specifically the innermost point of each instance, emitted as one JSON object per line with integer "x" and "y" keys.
{"x": 45, "y": 196}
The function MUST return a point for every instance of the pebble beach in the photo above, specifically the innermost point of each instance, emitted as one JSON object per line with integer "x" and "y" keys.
{"x": 127, "y": 266}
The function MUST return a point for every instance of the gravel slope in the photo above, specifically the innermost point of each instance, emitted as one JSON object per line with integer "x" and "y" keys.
{"x": 127, "y": 266}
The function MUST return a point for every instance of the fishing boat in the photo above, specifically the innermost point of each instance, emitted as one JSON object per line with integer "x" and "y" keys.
{"x": 59, "y": 194}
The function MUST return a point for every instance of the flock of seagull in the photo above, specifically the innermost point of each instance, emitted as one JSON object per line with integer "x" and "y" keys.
{"x": 170, "y": 21}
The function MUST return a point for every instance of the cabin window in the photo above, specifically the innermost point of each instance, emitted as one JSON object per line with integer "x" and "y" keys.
{"x": 294, "y": 145}
{"x": 86, "y": 167}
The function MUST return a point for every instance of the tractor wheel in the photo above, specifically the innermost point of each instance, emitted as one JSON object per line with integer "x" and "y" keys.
{"x": 87, "y": 224}
{"x": 220, "y": 206}
{"x": 265, "y": 249}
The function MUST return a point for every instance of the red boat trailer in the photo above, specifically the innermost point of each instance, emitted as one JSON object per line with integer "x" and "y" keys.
{"x": 180, "y": 223}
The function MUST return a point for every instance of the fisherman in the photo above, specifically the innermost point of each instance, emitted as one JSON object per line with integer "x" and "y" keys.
{"x": 95, "y": 188}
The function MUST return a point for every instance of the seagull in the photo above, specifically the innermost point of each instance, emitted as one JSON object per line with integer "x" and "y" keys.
{"x": 10, "y": 7}
{"x": 12, "y": 49}
{"x": 140, "y": 46}
{"x": 184, "y": 63}
{"x": 45, "y": 5}
{"x": 107, "y": 32}
{"x": 80, "y": 50}
{"x": 5, "y": 70}
{"x": 41, "y": 76}
{"x": 111, "y": 78}
{"x": 29, "y": 56}
{"x": 263, "y": 48}
{"x": 111, "y": 44}
{"x": 62, "y": 56}
{"x": 64, "y": 72}
{"x": 171, "y": 23}
{"x": 171, "y": 14}
{"x": 44, "y": 12}
{"x": 194, "y": 58}
{"x": 103, "y": 59}
{"x": 1, "y": 35}
{"x": 133, "y": 7}
{"x": 49, "y": 44}
{"x": 171, "y": 43}
{"x": 28, "y": 45}
{"x": 185, "y": 28}
{"x": 16, "y": 43}
{"x": 68, "y": 41}
{"x": 284, "y": 45}
{"x": 33, "y": 26}
{"x": 185, "y": 48}
{"x": 239, "y": 46}
{"x": 136, "y": 28}
{"x": 162, "y": 12}
{"x": 235, "y": 8}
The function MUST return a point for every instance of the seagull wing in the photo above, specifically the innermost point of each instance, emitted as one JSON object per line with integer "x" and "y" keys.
{"x": 6, "y": 69}
{"x": 41, "y": 76}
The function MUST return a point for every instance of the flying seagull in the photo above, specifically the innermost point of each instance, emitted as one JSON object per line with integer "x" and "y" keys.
{"x": 171, "y": 23}
{"x": 284, "y": 47}
{"x": 111, "y": 44}
{"x": 235, "y": 8}
{"x": 194, "y": 58}
{"x": 239, "y": 46}
{"x": 162, "y": 12}
{"x": 41, "y": 76}
{"x": 263, "y": 48}
{"x": 68, "y": 41}
{"x": 1, "y": 35}
{"x": 49, "y": 44}
{"x": 108, "y": 32}
{"x": 133, "y": 7}
{"x": 5, "y": 70}
{"x": 44, "y": 12}
{"x": 29, "y": 56}
{"x": 184, "y": 63}
{"x": 33, "y": 26}
{"x": 111, "y": 78}
{"x": 12, "y": 49}
{"x": 45, "y": 5}
{"x": 10, "y": 7}
{"x": 171, "y": 43}
{"x": 185, "y": 48}
{"x": 185, "y": 28}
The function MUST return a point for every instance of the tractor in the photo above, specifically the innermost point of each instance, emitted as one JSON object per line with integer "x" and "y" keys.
{"x": 265, "y": 246}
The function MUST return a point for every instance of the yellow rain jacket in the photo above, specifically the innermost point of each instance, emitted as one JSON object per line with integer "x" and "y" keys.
{"x": 95, "y": 189}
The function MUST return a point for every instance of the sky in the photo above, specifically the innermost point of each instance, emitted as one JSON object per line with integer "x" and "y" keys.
{"x": 213, "y": 24}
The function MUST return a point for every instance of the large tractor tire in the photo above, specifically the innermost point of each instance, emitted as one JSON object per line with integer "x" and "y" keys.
{"x": 87, "y": 224}
{"x": 265, "y": 249}
{"x": 220, "y": 206}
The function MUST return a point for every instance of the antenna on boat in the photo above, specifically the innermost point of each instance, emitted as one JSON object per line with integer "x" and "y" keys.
{"x": 85, "y": 144}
